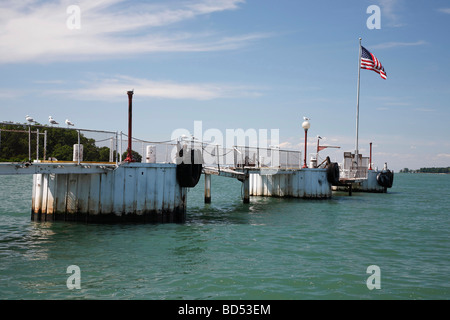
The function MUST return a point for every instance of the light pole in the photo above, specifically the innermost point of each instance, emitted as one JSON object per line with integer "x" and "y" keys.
{"x": 305, "y": 125}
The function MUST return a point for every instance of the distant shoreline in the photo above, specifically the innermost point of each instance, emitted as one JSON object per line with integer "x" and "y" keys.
{"x": 441, "y": 170}
{"x": 426, "y": 172}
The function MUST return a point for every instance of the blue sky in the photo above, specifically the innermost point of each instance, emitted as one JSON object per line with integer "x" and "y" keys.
{"x": 254, "y": 64}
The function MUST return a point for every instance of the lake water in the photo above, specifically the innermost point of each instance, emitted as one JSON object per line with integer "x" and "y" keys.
{"x": 272, "y": 248}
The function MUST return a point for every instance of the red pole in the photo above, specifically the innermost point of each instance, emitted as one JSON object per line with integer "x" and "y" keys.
{"x": 129, "y": 157}
{"x": 370, "y": 160}
{"x": 304, "y": 161}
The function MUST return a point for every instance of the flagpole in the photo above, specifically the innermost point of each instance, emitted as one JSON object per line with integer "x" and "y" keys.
{"x": 357, "y": 105}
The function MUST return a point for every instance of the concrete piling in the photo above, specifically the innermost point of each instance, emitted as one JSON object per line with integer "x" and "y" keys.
{"x": 305, "y": 183}
{"x": 246, "y": 187}
{"x": 134, "y": 192}
{"x": 207, "y": 188}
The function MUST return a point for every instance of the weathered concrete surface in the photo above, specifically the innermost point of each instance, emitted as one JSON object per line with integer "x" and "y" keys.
{"x": 135, "y": 192}
{"x": 303, "y": 183}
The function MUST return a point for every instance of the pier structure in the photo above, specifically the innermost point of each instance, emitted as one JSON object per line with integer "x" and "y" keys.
{"x": 152, "y": 187}
{"x": 130, "y": 192}
{"x": 270, "y": 172}
{"x": 82, "y": 188}
{"x": 357, "y": 174}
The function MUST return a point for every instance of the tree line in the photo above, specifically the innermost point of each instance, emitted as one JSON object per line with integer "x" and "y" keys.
{"x": 14, "y": 146}
{"x": 427, "y": 170}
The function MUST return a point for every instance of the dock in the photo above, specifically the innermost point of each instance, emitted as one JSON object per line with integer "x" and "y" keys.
{"x": 153, "y": 188}
{"x": 85, "y": 175}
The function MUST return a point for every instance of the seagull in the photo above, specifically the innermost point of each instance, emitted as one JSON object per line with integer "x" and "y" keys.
{"x": 29, "y": 119}
{"x": 319, "y": 137}
{"x": 51, "y": 120}
{"x": 305, "y": 118}
{"x": 69, "y": 123}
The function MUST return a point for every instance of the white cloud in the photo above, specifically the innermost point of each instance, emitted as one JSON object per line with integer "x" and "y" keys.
{"x": 37, "y": 31}
{"x": 389, "y": 45}
{"x": 113, "y": 87}
{"x": 444, "y": 10}
{"x": 49, "y": 81}
{"x": 425, "y": 109}
{"x": 444, "y": 155}
{"x": 8, "y": 94}
{"x": 389, "y": 9}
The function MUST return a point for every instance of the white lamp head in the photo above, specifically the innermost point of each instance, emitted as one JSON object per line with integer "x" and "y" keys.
{"x": 306, "y": 125}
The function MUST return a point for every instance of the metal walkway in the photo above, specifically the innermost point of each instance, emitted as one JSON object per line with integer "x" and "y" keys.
{"x": 14, "y": 168}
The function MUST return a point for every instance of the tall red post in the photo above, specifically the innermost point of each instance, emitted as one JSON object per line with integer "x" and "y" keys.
{"x": 129, "y": 157}
{"x": 370, "y": 159}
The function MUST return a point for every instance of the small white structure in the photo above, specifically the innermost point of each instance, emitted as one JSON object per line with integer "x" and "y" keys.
{"x": 77, "y": 152}
{"x": 151, "y": 154}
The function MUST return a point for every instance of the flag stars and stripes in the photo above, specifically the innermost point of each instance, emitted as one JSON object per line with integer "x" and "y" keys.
{"x": 370, "y": 62}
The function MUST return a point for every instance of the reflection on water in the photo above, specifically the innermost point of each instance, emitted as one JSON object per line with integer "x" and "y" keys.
{"x": 39, "y": 235}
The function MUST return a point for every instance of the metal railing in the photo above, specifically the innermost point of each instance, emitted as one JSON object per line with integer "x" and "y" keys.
{"x": 48, "y": 143}
{"x": 27, "y": 142}
{"x": 353, "y": 173}
{"x": 266, "y": 158}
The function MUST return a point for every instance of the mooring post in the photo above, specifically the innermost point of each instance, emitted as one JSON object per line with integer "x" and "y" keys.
{"x": 246, "y": 187}
{"x": 207, "y": 188}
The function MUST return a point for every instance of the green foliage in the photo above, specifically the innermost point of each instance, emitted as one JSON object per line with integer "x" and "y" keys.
{"x": 434, "y": 170}
{"x": 14, "y": 146}
{"x": 134, "y": 155}
{"x": 63, "y": 153}
{"x": 427, "y": 170}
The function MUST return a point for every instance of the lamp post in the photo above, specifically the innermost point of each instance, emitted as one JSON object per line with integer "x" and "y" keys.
{"x": 305, "y": 125}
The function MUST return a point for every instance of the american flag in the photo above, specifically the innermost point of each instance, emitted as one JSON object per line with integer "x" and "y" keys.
{"x": 370, "y": 62}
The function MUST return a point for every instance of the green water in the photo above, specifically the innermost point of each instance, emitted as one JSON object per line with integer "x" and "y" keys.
{"x": 269, "y": 249}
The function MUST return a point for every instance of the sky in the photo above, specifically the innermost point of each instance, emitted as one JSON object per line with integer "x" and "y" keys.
{"x": 236, "y": 64}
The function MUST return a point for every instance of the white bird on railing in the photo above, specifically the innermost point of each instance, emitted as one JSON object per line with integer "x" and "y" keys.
{"x": 51, "y": 120}
{"x": 69, "y": 123}
{"x": 29, "y": 119}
